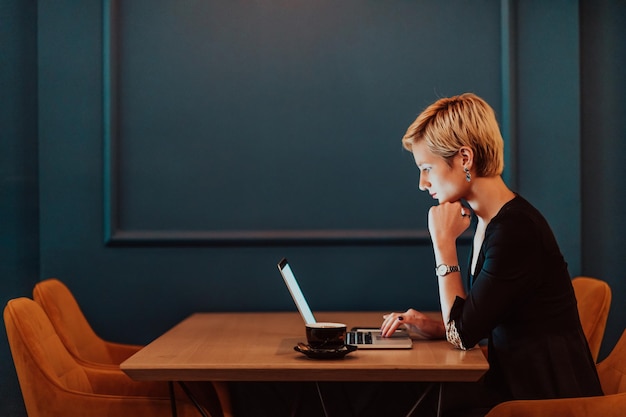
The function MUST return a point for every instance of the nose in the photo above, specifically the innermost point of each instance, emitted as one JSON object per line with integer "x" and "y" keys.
{"x": 423, "y": 184}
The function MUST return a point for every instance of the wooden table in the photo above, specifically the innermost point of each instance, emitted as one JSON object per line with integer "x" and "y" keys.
{"x": 259, "y": 347}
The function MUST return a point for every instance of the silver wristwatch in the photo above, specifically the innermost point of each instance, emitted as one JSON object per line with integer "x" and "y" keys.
{"x": 443, "y": 269}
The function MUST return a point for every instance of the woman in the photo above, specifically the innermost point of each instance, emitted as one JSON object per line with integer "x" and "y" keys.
{"x": 519, "y": 293}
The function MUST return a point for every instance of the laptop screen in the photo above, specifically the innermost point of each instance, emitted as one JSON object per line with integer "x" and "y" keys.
{"x": 296, "y": 293}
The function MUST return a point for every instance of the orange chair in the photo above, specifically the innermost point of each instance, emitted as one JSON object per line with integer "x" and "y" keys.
{"x": 594, "y": 301}
{"x": 54, "y": 384}
{"x": 73, "y": 328}
{"x": 612, "y": 373}
{"x": 91, "y": 350}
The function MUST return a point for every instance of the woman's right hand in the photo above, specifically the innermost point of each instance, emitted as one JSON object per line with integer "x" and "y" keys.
{"x": 447, "y": 221}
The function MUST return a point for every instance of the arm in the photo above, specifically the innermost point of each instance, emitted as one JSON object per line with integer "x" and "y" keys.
{"x": 445, "y": 224}
{"x": 507, "y": 278}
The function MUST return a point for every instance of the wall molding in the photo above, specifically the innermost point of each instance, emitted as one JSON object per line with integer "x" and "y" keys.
{"x": 270, "y": 237}
{"x": 115, "y": 235}
{"x": 508, "y": 35}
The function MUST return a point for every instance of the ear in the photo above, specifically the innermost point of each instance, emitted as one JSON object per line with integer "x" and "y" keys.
{"x": 467, "y": 156}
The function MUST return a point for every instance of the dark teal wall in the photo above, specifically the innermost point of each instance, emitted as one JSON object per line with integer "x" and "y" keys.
{"x": 548, "y": 117}
{"x": 161, "y": 162}
{"x": 19, "y": 222}
{"x": 282, "y": 121}
{"x": 603, "y": 150}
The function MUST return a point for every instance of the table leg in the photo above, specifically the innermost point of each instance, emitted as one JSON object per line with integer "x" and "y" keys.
{"x": 192, "y": 398}
{"x": 337, "y": 403}
{"x": 440, "y": 399}
{"x": 421, "y": 398}
{"x": 319, "y": 393}
{"x": 170, "y": 385}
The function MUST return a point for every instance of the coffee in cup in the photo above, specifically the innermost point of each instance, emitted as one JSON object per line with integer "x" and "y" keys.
{"x": 326, "y": 335}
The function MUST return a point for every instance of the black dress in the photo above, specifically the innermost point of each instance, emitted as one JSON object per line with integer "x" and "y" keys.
{"x": 521, "y": 298}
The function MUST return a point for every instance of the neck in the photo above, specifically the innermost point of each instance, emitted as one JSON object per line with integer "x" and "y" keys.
{"x": 487, "y": 196}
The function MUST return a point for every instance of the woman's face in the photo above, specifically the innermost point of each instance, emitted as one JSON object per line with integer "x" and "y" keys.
{"x": 443, "y": 182}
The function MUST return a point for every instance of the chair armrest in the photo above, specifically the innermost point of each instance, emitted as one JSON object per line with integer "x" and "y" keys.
{"x": 72, "y": 403}
{"x": 119, "y": 352}
{"x": 116, "y": 382}
{"x": 606, "y": 406}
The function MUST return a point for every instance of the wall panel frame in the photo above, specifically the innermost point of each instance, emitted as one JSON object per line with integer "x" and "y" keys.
{"x": 117, "y": 235}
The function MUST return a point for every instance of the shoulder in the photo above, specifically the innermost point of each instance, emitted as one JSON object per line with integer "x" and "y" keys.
{"x": 519, "y": 213}
{"x": 517, "y": 224}
{"x": 516, "y": 214}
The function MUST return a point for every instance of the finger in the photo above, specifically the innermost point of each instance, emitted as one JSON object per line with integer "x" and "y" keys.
{"x": 391, "y": 324}
{"x": 389, "y": 329}
{"x": 386, "y": 324}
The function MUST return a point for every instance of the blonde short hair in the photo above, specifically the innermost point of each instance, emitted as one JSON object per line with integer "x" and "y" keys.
{"x": 463, "y": 120}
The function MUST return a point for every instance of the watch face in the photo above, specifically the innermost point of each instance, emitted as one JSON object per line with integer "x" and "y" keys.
{"x": 442, "y": 269}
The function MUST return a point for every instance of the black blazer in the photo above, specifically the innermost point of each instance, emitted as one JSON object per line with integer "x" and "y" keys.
{"x": 521, "y": 298}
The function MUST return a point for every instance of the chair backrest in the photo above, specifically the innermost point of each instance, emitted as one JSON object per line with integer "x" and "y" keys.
{"x": 70, "y": 322}
{"x": 85, "y": 346}
{"x": 612, "y": 373}
{"x": 612, "y": 370}
{"x": 594, "y": 301}
{"x": 42, "y": 362}
{"x": 54, "y": 383}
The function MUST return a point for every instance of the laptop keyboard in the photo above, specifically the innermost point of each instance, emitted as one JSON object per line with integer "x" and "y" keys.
{"x": 359, "y": 338}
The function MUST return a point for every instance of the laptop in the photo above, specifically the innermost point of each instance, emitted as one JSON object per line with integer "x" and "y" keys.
{"x": 363, "y": 338}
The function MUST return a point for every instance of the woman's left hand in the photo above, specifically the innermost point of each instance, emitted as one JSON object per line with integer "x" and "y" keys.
{"x": 411, "y": 317}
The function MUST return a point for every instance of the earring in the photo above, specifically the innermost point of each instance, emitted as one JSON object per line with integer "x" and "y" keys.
{"x": 468, "y": 176}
